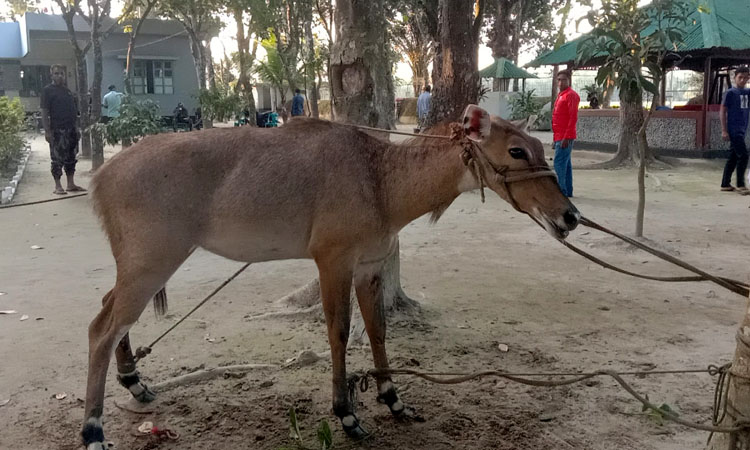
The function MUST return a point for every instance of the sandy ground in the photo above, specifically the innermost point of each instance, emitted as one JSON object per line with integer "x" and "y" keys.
{"x": 484, "y": 275}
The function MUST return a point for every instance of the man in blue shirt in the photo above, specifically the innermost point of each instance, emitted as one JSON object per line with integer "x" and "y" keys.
{"x": 423, "y": 105}
{"x": 298, "y": 104}
{"x": 734, "y": 114}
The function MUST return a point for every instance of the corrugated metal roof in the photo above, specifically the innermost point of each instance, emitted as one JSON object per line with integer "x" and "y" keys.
{"x": 504, "y": 68}
{"x": 10, "y": 41}
{"x": 726, "y": 24}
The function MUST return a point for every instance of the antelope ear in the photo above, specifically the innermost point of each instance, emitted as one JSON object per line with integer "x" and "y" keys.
{"x": 476, "y": 123}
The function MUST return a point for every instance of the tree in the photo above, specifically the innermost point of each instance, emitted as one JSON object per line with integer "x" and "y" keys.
{"x": 312, "y": 66}
{"x": 97, "y": 13}
{"x": 619, "y": 33}
{"x": 250, "y": 20}
{"x": 511, "y": 19}
{"x": 618, "y": 39}
{"x": 325, "y": 13}
{"x": 136, "y": 22}
{"x": 455, "y": 73}
{"x": 412, "y": 41}
{"x": 18, "y": 8}
{"x": 271, "y": 69}
{"x": 361, "y": 65}
{"x": 69, "y": 10}
{"x": 199, "y": 20}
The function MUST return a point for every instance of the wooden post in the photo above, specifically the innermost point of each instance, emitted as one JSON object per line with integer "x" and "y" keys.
{"x": 663, "y": 89}
{"x": 555, "y": 71}
{"x": 706, "y": 86}
{"x": 738, "y": 397}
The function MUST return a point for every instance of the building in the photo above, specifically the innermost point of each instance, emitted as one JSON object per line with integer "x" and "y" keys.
{"x": 164, "y": 70}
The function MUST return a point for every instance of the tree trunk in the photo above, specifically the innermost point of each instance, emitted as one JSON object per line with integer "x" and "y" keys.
{"x": 245, "y": 61}
{"x": 608, "y": 92}
{"x": 738, "y": 396}
{"x": 454, "y": 70}
{"x": 361, "y": 65}
{"x": 82, "y": 83}
{"x": 631, "y": 121}
{"x": 97, "y": 150}
{"x": 196, "y": 49}
{"x": 555, "y": 71}
{"x": 313, "y": 94}
{"x": 362, "y": 93}
{"x": 131, "y": 47}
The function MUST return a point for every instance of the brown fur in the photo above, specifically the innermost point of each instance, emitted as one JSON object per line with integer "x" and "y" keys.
{"x": 310, "y": 189}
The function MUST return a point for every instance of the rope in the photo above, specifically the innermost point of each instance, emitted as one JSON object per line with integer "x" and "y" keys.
{"x": 735, "y": 286}
{"x": 141, "y": 352}
{"x": 523, "y": 378}
{"x": 67, "y": 197}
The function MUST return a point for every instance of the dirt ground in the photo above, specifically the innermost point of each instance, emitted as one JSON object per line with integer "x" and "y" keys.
{"x": 484, "y": 275}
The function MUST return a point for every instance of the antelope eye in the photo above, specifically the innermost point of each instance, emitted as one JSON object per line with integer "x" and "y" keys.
{"x": 517, "y": 153}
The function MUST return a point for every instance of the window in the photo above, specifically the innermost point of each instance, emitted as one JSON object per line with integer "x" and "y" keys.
{"x": 33, "y": 80}
{"x": 152, "y": 77}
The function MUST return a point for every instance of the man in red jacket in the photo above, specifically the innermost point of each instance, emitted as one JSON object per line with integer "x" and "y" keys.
{"x": 564, "y": 119}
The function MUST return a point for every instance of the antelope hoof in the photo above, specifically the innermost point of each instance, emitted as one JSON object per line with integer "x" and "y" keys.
{"x": 140, "y": 391}
{"x": 398, "y": 409}
{"x": 93, "y": 435}
{"x": 352, "y": 428}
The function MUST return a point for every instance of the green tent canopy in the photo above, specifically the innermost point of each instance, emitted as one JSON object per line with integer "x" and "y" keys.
{"x": 504, "y": 69}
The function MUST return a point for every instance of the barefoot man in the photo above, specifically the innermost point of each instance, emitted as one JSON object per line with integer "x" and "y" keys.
{"x": 59, "y": 115}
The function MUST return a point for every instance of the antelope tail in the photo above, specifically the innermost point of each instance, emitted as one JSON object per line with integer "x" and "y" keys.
{"x": 160, "y": 303}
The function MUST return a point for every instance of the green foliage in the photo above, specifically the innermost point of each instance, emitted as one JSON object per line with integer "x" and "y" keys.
{"x": 138, "y": 118}
{"x": 524, "y": 105}
{"x": 11, "y": 127}
{"x": 324, "y": 435}
{"x": 657, "y": 416}
{"x": 219, "y": 103}
{"x": 271, "y": 69}
{"x": 629, "y": 39}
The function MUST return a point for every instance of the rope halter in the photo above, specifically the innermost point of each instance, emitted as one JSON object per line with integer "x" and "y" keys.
{"x": 483, "y": 169}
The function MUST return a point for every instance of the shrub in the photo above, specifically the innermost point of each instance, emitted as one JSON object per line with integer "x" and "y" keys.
{"x": 138, "y": 118}
{"x": 220, "y": 104}
{"x": 11, "y": 126}
{"x": 524, "y": 105}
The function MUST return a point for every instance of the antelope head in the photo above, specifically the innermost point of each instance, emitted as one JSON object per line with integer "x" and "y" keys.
{"x": 511, "y": 163}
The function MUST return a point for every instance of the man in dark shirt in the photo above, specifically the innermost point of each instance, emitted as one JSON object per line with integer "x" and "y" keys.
{"x": 298, "y": 104}
{"x": 734, "y": 117}
{"x": 59, "y": 117}
{"x": 181, "y": 116}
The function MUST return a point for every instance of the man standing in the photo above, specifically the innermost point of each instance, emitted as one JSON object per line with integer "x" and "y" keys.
{"x": 298, "y": 104}
{"x": 59, "y": 115}
{"x": 734, "y": 117}
{"x": 564, "y": 119}
{"x": 423, "y": 105}
{"x": 111, "y": 102}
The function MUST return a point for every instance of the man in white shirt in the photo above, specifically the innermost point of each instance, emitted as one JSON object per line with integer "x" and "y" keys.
{"x": 111, "y": 103}
{"x": 423, "y": 105}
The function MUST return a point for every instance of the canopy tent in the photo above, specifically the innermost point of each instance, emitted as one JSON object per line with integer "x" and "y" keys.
{"x": 504, "y": 69}
{"x": 716, "y": 38}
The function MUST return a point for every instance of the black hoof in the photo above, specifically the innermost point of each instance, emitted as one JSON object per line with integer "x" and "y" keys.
{"x": 354, "y": 430}
{"x": 140, "y": 391}
{"x": 145, "y": 396}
